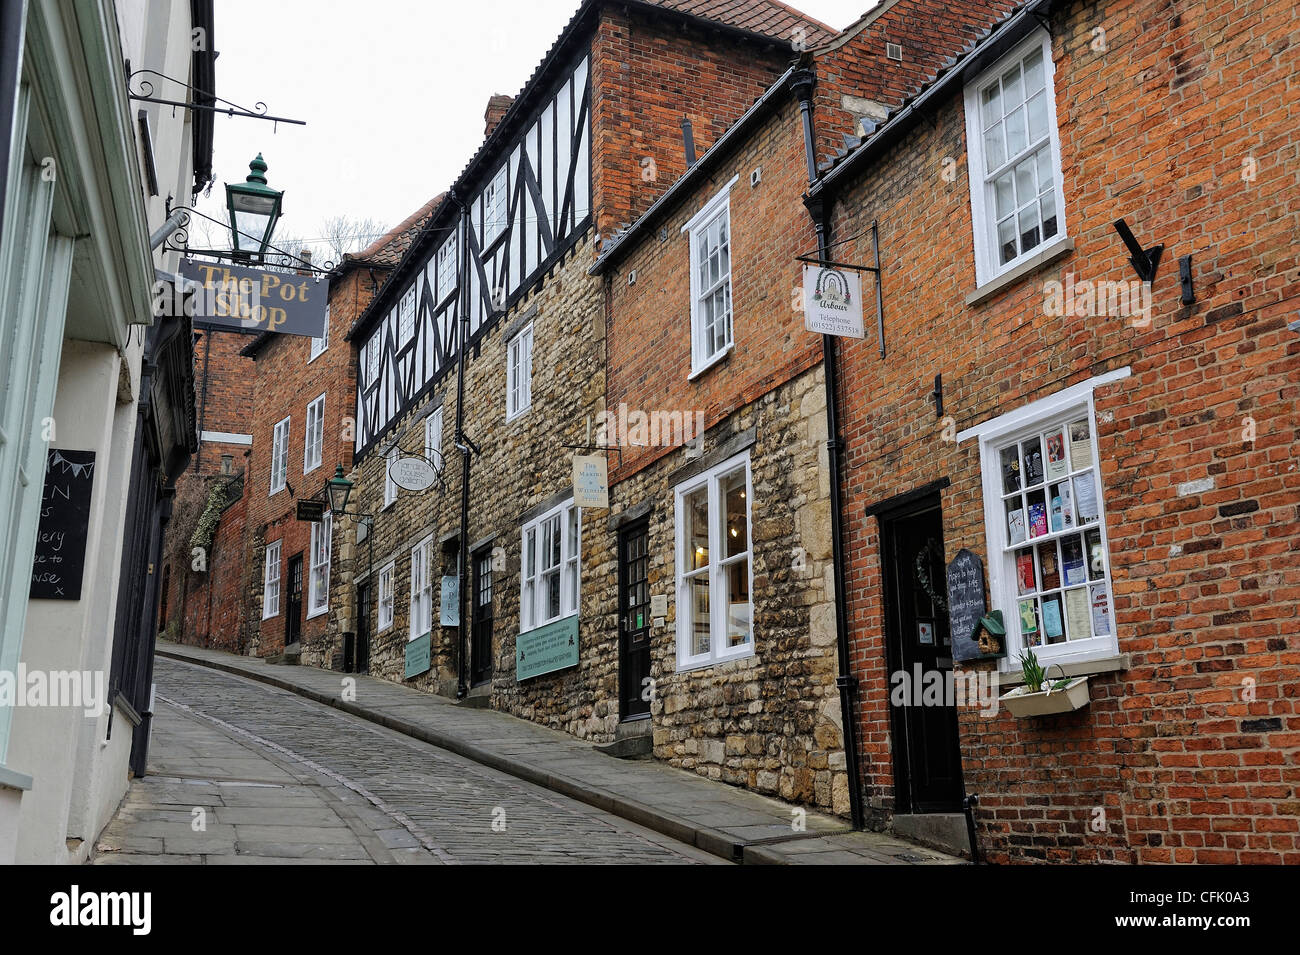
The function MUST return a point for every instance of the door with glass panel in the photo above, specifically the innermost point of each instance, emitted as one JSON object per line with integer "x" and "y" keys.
{"x": 634, "y": 621}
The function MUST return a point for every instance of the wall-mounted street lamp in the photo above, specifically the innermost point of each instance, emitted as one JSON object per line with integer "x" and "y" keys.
{"x": 254, "y": 210}
{"x": 340, "y": 489}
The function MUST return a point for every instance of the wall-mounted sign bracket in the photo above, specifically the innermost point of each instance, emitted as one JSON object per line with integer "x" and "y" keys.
{"x": 819, "y": 257}
{"x": 177, "y": 239}
{"x": 1145, "y": 261}
{"x": 596, "y": 447}
{"x": 144, "y": 90}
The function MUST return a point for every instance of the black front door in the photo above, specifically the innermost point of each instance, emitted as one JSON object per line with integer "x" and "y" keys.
{"x": 927, "y": 762}
{"x": 361, "y": 653}
{"x": 634, "y": 622}
{"x": 480, "y": 646}
{"x": 293, "y": 606}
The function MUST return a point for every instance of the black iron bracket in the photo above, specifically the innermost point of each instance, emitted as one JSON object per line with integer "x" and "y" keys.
{"x": 144, "y": 92}
{"x": 1145, "y": 261}
{"x": 178, "y": 240}
{"x": 1185, "y": 277}
{"x": 596, "y": 447}
{"x": 817, "y": 257}
{"x": 937, "y": 395}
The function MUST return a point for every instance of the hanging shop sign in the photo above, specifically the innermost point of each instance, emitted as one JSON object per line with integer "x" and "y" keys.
{"x": 413, "y": 474}
{"x": 449, "y": 606}
{"x": 546, "y": 649}
{"x": 59, "y": 561}
{"x": 312, "y": 511}
{"x": 238, "y": 297}
{"x": 832, "y": 301}
{"x": 590, "y": 481}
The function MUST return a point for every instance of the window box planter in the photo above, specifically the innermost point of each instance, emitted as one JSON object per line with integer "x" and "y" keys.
{"x": 1022, "y": 703}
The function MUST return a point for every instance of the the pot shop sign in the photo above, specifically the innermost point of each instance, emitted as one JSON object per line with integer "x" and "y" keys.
{"x": 233, "y": 296}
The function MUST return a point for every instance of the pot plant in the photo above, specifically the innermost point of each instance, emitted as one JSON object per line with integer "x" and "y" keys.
{"x": 1041, "y": 696}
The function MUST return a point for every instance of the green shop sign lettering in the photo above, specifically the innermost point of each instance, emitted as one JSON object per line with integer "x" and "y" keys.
{"x": 547, "y": 649}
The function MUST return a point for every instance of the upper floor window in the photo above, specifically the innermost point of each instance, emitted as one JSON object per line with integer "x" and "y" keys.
{"x": 271, "y": 581}
{"x": 279, "y": 455}
{"x": 519, "y": 373}
{"x": 372, "y": 357}
{"x": 710, "y": 237}
{"x": 433, "y": 438}
{"x": 386, "y": 576}
{"x": 406, "y": 317}
{"x": 318, "y": 345}
{"x": 318, "y": 589}
{"x": 714, "y": 567}
{"x": 447, "y": 267}
{"x": 1045, "y": 523}
{"x": 550, "y": 579}
{"x": 494, "y": 207}
{"x": 390, "y": 486}
{"x": 315, "y": 437}
{"x": 1014, "y": 159}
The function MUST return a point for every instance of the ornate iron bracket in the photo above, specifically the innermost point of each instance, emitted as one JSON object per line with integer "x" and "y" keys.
{"x": 144, "y": 91}
{"x": 178, "y": 240}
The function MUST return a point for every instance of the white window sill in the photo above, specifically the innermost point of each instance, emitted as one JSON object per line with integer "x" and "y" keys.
{"x": 272, "y": 616}
{"x": 275, "y": 491}
{"x": 307, "y": 471}
{"x": 12, "y": 779}
{"x": 411, "y": 638}
{"x": 684, "y": 666}
{"x": 317, "y": 355}
{"x": 388, "y": 504}
{"x": 547, "y": 623}
{"x": 519, "y": 414}
{"x": 385, "y": 627}
{"x": 1108, "y": 664}
{"x": 313, "y": 614}
{"x": 1044, "y": 256}
{"x": 720, "y": 356}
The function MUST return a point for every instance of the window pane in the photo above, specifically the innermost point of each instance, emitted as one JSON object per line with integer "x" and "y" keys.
{"x": 697, "y": 529}
{"x": 698, "y": 595}
{"x": 1007, "y": 239}
{"x": 1029, "y": 236}
{"x": 1017, "y": 137}
{"x": 1037, "y": 110}
{"x": 551, "y": 588}
{"x": 737, "y": 528}
{"x": 1026, "y": 187}
{"x": 1011, "y": 88}
{"x": 991, "y": 105}
{"x": 1048, "y": 206}
{"x": 1004, "y": 195}
{"x": 738, "y": 605}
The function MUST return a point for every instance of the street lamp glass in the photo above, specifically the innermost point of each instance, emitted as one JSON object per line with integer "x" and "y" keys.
{"x": 340, "y": 489}
{"x": 254, "y": 208}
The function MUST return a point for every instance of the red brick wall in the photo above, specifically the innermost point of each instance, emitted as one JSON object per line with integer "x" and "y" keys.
{"x": 649, "y": 341}
{"x": 212, "y": 604}
{"x": 1155, "y": 128}
{"x": 225, "y": 401}
{"x": 709, "y": 78}
{"x": 286, "y": 382}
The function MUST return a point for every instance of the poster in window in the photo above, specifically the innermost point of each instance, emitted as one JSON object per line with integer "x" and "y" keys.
{"x": 1037, "y": 515}
{"x": 1015, "y": 523}
{"x": 1029, "y": 623}
{"x": 1053, "y": 626}
{"x": 1055, "y": 455}
{"x": 1096, "y": 556}
{"x": 1072, "y": 561}
{"x": 1085, "y": 498}
{"x": 1025, "y": 572}
{"x": 1080, "y": 445}
{"x": 1010, "y": 469}
{"x": 1100, "y": 610}
{"x": 1048, "y": 571}
{"x": 1062, "y": 514}
{"x": 1033, "y": 462}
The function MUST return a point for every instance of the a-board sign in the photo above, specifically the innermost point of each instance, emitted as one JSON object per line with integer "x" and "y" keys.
{"x": 965, "y": 604}
{"x": 60, "y": 558}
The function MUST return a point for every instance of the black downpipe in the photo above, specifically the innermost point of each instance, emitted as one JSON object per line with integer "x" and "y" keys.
{"x": 462, "y": 446}
{"x": 203, "y": 396}
{"x": 802, "y": 85}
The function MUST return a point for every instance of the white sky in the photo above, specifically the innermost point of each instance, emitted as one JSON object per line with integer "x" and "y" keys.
{"x": 393, "y": 92}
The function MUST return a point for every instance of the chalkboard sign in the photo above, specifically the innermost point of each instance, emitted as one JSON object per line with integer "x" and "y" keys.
{"x": 965, "y": 604}
{"x": 65, "y": 515}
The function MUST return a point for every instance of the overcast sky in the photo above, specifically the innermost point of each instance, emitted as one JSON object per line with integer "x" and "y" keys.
{"x": 393, "y": 92}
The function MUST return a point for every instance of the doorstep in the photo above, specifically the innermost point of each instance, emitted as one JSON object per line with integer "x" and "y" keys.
{"x": 945, "y": 831}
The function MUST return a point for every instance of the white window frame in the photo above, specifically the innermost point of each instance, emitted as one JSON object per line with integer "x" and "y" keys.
{"x": 532, "y": 610}
{"x": 319, "y": 345}
{"x": 406, "y": 309}
{"x": 1069, "y": 404}
{"x": 519, "y": 373}
{"x": 390, "y": 486}
{"x": 983, "y": 224}
{"x": 713, "y": 211}
{"x": 495, "y": 205}
{"x": 271, "y": 583}
{"x": 421, "y": 605}
{"x": 372, "y": 356}
{"x": 433, "y": 438}
{"x": 384, "y": 593}
{"x": 446, "y": 272}
{"x": 280, "y": 455}
{"x": 322, "y": 543}
{"x": 316, "y": 413}
{"x": 718, "y": 652}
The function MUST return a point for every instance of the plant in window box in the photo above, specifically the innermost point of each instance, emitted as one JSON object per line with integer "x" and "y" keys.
{"x": 1041, "y": 696}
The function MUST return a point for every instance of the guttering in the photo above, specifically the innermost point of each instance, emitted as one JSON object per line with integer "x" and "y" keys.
{"x": 803, "y": 86}
{"x": 704, "y": 165}
{"x": 463, "y": 445}
{"x": 1010, "y": 31}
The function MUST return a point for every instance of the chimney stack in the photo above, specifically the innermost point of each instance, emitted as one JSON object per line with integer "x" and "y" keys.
{"x": 497, "y": 105}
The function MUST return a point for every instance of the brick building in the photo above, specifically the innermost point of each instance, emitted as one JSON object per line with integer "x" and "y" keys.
{"x": 303, "y": 428}
{"x": 1119, "y": 454}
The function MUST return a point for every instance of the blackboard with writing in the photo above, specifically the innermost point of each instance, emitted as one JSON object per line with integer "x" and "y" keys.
{"x": 65, "y": 515}
{"x": 965, "y": 604}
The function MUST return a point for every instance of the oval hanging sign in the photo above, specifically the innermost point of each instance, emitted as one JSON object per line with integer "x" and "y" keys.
{"x": 412, "y": 474}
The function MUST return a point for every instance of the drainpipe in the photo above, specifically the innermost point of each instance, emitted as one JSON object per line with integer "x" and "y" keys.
{"x": 801, "y": 85}
{"x": 462, "y": 445}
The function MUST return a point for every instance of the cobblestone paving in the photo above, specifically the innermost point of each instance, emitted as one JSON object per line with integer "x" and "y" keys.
{"x": 282, "y": 778}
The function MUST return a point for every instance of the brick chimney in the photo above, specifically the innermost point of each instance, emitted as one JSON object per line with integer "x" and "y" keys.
{"x": 497, "y": 105}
